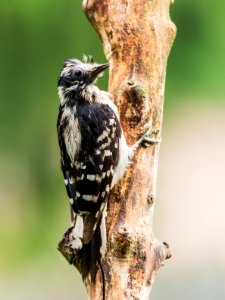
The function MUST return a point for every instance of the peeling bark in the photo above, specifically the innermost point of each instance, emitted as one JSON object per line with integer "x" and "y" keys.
{"x": 137, "y": 37}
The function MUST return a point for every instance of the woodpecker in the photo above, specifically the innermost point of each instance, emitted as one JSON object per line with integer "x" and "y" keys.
{"x": 94, "y": 152}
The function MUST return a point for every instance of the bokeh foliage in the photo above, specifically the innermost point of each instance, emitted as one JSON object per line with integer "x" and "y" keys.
{"x": 196, "y": 64}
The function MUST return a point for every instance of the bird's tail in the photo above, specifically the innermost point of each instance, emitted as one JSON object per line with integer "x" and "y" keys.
{"x": 89, "y": 242}
{"x": 91, "y": 256}
{"x": 95, "y": 249}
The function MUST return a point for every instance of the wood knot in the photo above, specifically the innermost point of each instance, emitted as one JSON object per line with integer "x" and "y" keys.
{"x": 126, "y": 243}
{"x": 167, "y": 249}
{"x": 130, "y": 82}
{"x": 135, "y": 93}
{"x": 122, "y": 242}
{"x": 160, "y": 254}
{"x": 151, "y": 199}
{"x": 65, "y": 246}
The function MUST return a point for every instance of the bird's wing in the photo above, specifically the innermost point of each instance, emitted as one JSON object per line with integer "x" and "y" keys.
{"x": 90, "y": 180}
{"x": 93, "y": 171}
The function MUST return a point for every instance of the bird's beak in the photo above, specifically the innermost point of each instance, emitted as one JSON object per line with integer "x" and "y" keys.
{"x": 96, "y": 70}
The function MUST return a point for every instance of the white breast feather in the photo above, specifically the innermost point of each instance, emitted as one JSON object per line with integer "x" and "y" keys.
{"x": 72, "y": 135}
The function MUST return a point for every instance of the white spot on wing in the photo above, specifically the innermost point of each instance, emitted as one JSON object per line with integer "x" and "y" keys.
{"x": 98, "y": 178}
{"x": 102, "y": 136}
{"x": 71, "y": 180}
{"x": 107, "y": 153}
{"x": 105, "y": 145}
{"x": 90, "y": 198}
{"x": 91, "y": 177}
{"x": 107, "y": 188}
{"x": 111, "y": 121}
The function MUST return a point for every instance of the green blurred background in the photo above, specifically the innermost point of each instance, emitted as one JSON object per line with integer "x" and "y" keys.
{"x": 35, "y": 38}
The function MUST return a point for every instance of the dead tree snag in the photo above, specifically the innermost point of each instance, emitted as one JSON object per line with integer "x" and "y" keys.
{"x": 137, "y": 37}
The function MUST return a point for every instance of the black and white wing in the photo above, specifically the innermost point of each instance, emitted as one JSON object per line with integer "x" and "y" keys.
{"x": 89, "y": 171}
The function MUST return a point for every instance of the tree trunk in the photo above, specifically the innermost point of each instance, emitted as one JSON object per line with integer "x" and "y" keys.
{"x": 137, "y": 36}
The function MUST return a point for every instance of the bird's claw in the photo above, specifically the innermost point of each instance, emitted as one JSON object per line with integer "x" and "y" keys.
{"x": 147, "y": 139}
{"x": 150, "y": 138}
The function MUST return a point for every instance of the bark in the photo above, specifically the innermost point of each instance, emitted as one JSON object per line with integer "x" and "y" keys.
{"x": 137, "y": 37}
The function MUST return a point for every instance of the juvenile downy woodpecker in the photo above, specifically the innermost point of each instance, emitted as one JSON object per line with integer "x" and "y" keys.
{"x": 94, "y": 152}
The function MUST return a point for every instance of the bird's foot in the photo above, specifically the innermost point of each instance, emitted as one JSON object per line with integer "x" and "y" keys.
{"x": 150, "y": 137}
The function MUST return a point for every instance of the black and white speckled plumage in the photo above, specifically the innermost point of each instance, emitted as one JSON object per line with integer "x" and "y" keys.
{"x": 94, "y": 153}
{"x": 88, "y": 172}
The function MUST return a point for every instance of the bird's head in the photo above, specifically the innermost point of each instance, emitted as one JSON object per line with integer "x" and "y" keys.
{"x": 77, "y": 75}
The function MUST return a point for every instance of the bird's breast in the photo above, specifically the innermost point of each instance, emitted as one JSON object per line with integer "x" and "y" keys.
{"x": 71, "y": 134}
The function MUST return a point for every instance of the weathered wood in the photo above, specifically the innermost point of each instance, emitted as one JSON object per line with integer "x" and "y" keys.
{"x": 137, "y": 37}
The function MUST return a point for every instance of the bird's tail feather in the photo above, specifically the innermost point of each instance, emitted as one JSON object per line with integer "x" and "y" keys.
{"x": 89, "y": 234}
{"x": 91, "y": 256}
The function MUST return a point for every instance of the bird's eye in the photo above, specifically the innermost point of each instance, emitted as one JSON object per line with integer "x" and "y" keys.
{"x": 78, "y": 73}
